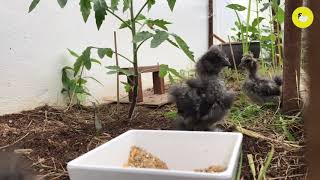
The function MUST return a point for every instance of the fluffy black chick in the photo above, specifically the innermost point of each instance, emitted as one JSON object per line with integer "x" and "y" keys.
{"x": 203, "y": 101}
{"x": 258, "y": 89}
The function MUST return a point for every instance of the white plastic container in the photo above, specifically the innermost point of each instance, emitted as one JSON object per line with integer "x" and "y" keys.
{"x": 182, "y": 151}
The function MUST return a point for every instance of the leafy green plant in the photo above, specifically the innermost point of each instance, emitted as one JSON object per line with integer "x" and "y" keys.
{"x": 237, "y": 8}
{"x": 142, "y": 29}
{"x": 270, "y": 35}
{"x": 244, "y": 28}
{"x": 73, "y": 79}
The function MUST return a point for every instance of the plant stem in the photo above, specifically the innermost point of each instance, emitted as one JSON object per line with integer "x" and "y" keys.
{"x": 74, "y": 90}
{"x": 234, "y": 61}
{"x": 135, "y": 63}
{"x": 272, "y": 43}
{"x": 116, "y": 53}
{"x": 141, "y": 9}
{"x": 242, "y": 36}
{"x": 118, "y": 17}
{"x": 247, "y": 26}
{"x": 141, "y": 43}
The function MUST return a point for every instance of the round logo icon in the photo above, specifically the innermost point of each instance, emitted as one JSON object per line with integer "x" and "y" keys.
{"x": 302, "y": 17}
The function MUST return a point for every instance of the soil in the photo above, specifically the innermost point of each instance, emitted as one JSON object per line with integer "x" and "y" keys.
{"x": 50, "y": 137}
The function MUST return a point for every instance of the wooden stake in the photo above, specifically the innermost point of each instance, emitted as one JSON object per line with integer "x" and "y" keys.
{"x": 233, "y": 59}
{"x": 312, "y": 114}
{"x": 210, "y": 23}
{"x": 117, "y": 64}
{"x": 291, "y": 61}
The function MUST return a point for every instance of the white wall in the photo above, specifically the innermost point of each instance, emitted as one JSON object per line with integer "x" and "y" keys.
{"x": 34, "y": 46}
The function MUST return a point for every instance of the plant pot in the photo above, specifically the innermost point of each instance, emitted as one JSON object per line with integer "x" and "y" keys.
{"x": 182, "y": 151}
{"x": 254, "y": 47}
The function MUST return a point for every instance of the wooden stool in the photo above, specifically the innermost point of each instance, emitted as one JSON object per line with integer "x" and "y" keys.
{"x": 158, "y": 82}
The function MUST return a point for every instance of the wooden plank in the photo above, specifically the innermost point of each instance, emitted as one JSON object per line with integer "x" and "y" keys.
{"x": 143, "y": 69}
{"x": 158, "y": 83}
{"x": 149, "y": 99}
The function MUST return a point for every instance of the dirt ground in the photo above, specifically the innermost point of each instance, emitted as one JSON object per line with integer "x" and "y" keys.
{"x": 50, "y": 138}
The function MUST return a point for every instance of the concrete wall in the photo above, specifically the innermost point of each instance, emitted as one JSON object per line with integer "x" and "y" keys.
{"x": 34, "y": 46}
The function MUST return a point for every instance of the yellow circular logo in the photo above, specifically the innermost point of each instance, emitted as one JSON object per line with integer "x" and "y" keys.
{"x": 302, "y": 17}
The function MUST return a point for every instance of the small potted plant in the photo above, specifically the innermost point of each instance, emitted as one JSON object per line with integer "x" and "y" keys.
{"x": 246, "y": 38}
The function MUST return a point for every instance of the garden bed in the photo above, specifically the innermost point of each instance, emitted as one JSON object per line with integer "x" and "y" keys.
{"x": 55, "y": 137}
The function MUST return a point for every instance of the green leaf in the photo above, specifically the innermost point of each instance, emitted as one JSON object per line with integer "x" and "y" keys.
{"x": 65, "y": 79}
{"x": 257, "y": 21}
{"x": 112, "y": 72}
{"x": 140, "y": 17}
{"x": 158, "y": 22}
{"x": 159, "y": 38}
{"x": 238, "y": 174}
{"x": 62, "y": 3}
{"x": 161, "y": 23}
{"x": 80, "y": 89}
{"x": 77, "y": 65}
{"x": 114, "y": 5}
{"x": 236, "y": 7}
{"x": 105, "y": 52}
{"x": 151, "y": 3}
{"x": 117, "y": 69}
{"x": 33, "y": 5}
{"x": 272, "y": 37}
{"x": 82, "y": 81}
{"x": 73, "y": 53}
{"x": 285, "y": 129}
{"x": 127, "y": 86}
{"x": 280, "y": 15}
{"x": 171, "y": 4}
{"x": 100, "y": 7}
{"x": 171, "y": 78}
{"x": 85, "y": 8}
{"x": 173, "y": 43}
{"x": 94, "y": 79}
{"x": 86, "y": 58}
{"x": 124, "y": 25}
{"x": 163, "y": 70}
{"x": 126, "y": 5}
{"x": 265, "y": 166}
{"x": 141, "y": 36}
{"x": 174, "y": 72}
{"x": 95, "y": 61}
{"x": 251, "y": 165}
{"x": 185, "y": 48}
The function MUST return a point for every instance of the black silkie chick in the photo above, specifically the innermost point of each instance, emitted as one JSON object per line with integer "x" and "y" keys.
{"x": 203, "y": 101}
{"x": 13, "y": 168}
{"x": 258, "y": 89}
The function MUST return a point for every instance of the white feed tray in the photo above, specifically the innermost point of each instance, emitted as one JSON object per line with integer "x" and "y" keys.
{"x": 182, "y": 151}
